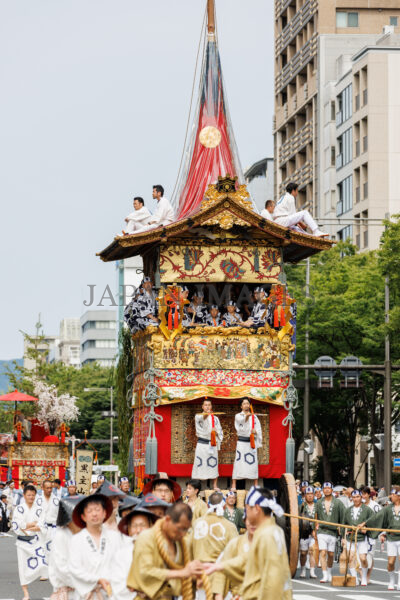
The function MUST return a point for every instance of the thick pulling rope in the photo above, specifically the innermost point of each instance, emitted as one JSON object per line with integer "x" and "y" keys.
{"x": 187, "y": 587}
{"x": 341, "y": 525}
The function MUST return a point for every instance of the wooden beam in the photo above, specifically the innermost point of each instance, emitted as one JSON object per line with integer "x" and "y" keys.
{"x": 211, "y": 16}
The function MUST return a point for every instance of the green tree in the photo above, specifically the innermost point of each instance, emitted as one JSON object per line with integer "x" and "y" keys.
{"x": 123, "y": 383}
{"x": 346, "y": 317}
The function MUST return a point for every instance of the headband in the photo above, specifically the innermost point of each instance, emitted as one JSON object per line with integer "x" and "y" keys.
{"x": 356, "y": 493}
{"x": 123, "y": 480}
{"x": 218, "y": 509}
{"x": 71, "y": 482}
{"x": 304, "y": 484}
{"x": 309, "y": 489}
{"x": 255, "y": 497}
{"x": 328, "y": 484}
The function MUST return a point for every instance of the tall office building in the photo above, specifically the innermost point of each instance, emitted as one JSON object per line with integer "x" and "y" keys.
{"x": 99, "y": 337}
{"x": 302, "y": 72}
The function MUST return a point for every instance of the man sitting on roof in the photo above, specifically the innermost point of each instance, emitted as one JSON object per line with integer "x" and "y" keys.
{"x": 285, "y": 212}
{"x": 139, "y": 218}
{"x": 164, "y": 214}
{"x": 267, "y": 212}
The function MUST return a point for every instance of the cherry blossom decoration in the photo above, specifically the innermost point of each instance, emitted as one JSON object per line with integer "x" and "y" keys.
{"x": 54, "y": 409}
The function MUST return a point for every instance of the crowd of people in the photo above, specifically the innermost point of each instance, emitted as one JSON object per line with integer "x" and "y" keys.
{"x": 373, "y": 514}
{"x": 142, "y": 310}
{"x": 160, "y": 545}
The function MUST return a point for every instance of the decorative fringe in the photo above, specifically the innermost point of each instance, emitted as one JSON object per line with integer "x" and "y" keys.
{"x": 213, "y": 438}
{"x": 176, "y": 319}
{"x": 252, "y": 441}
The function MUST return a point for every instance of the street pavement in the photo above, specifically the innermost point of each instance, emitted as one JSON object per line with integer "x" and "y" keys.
{"x": 309, "y": 589}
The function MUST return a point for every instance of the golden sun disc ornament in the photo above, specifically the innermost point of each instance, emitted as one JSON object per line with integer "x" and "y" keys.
{"x": 210, "y": 137}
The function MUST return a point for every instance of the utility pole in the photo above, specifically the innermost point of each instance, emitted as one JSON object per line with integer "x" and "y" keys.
{"x": 111, "y": 425}
{"x": 387, "y": 395}
{"x": 306, "y": 409}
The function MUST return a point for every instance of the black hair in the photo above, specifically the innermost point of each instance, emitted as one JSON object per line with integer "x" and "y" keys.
{"x": 206, "y": 400}
{"x": 139, "y": 199}
{"x": 169, "y": 484}
{"x": 56, "y": 481}
{"x": 159, "y": 188}
{"x": 215, "y": 498}
{"x": 292, "y": 187}
{"x": 242, "y": 400}
{"x": 94, "y": 499}
{"x": 366, "y": 490}
{"x": 269, "y": 203}
{"x": 195, "y": 483}
{"x": 29, "y": 488}
{"x": 178, "y": 509}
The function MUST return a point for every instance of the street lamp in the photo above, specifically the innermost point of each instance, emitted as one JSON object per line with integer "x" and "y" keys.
{"x": 111, "y": 414}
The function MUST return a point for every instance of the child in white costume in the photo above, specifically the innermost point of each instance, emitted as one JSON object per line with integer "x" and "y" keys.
{"x": 249, "y": 432}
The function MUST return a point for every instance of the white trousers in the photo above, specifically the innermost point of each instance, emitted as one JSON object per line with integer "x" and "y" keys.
{"x": 133, "y": 226}
{"x": 297, "y": 217}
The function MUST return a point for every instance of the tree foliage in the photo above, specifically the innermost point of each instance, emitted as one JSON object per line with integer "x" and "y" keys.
{"x": 345, "y": 314}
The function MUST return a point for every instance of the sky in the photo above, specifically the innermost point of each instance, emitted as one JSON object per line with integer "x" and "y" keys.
{"x": 93, "y": 110}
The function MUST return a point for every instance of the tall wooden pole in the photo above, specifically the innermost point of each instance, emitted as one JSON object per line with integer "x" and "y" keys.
{"x": 211, "y": 16}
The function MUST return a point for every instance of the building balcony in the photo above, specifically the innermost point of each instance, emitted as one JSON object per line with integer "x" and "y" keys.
{"x": 298, "y": 62}
{"x": 301, "y": 138}
{"x": 299, "y": 21}
{"x": 301, "y": 176}
{"x": 281, "y": 6}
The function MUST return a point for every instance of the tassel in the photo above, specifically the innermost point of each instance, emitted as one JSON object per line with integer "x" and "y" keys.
{"x": 170, "y": 319}
{"x": 276, "y": 318}
{"x": 176, "y": 321}
{"x": 213, "y": 438}
{"x": 282, "y": 314}
{"x": 252, "y": 439}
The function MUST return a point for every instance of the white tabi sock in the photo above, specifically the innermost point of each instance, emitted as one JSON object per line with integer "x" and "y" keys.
{"x": 364, "y": 571}
{"x": 329, "y": 572}
{"x": 353, "y": 573}
{"x": 312, "y": 572}
{"x": 324, "y": 576}
{"x": 391, "y": 579}
{"x": 303, "y": 572}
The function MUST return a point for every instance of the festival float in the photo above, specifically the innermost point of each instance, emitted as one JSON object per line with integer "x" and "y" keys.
{"x": 30, "y": 453}
{"x": 221, "y": 245}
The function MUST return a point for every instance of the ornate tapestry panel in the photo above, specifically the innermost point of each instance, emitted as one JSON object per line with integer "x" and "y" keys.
{"x": 184, "y": 440}
{"x": 255, "y": 352}
{"x": 249, "y": 264}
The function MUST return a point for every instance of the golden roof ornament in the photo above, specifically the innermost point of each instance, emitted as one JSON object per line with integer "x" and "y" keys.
{"x": 226, "y": 187}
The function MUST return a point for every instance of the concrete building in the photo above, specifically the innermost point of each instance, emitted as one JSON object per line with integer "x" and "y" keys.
{"x": 301, "y": 78}
{"x": 44, "y": 344}
{"x": 99, "y": 337}
{"x": 69, "y": 345}
{"x": 260, "y": 181}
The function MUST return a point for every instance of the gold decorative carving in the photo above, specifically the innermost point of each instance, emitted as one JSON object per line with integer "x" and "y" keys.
{"x": 226, "y": 188}
{"x": 210, "y": 137}
{"x": 226, "y": 220}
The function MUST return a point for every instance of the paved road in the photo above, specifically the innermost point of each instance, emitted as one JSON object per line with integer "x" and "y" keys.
{"x": 302, "y": 589}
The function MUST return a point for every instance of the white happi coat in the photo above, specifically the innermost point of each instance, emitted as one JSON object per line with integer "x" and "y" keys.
{"x": 59, "y": 574}
{"x": 246, "y": 460}
{"x": 164, "y": 214}
{"x": 49, "y": 517}
{"x": 121, "y": 568}
{"x": 31, "y": 553}
{"x": 137, "y": 220}
{"x": 88, "y": 562}
{"x": 206, "y": 456}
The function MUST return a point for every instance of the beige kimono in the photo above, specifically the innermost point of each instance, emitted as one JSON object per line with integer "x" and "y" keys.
{"x": 209, "y": 536}
{"x": 234, "y": 560}
{"x": 148, "y": 570}
{"x": 267, "y": 572}
{"x": 199, "y": 508}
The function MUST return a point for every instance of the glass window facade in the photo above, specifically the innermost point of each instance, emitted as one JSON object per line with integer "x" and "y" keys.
{"x": 345, "y": 191}
{"x": 99, "y": 325}
{"x": 99, "y": 344}
{"x": 345, "y": 148}
{"x": 346, "y": 233}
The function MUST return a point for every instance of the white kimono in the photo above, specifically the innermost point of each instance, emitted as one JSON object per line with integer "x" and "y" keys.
{"x": 246, "y": 460}
{"x": 164, "y": 214}
{"x": 30, "y": 551}
{"x": 120, "y": 572}
{"x": 137, "y": 220}
{"x": 49, "y": 517}
{"x": 88, "y": 562}
{"x": 59, "y": 574}
{"x": 267, "y": 215}
{"x": 206, "y": 456}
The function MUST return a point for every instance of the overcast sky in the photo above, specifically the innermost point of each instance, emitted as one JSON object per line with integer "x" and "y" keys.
{"x": 93, "y": 110}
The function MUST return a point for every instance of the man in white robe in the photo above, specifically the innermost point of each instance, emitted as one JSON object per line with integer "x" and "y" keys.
{"x": 164, "y": 214}
{"x": 268, "y": 211}
{"x": 247, "y": 425}
{"x": 49, "y": 504}
{"x": 27, "y": 524}
{"x": 139, "y": 218}
{"x": 59, "y": 574}
{"x": 285, "y": 212}
{"x": 93, "y": 549}
{"x": 208, "y": 427}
